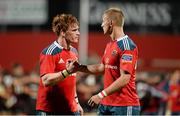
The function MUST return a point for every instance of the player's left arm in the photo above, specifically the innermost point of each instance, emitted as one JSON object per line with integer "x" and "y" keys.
{"x": 119, "y": 83}
{"x": 115, "y": 86}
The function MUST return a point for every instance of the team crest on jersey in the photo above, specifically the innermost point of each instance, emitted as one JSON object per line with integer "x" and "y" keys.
{"x": 114, "y": 52}
{"x": 127, "y": 58}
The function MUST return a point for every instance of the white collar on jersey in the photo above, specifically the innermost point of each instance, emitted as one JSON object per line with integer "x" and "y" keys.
{"x": 57, "y": 44}
{"x": 121, "y": 38}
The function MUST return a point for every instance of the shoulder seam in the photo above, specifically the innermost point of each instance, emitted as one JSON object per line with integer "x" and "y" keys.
{"x": 50, "y": 49}
{"x": 126, "y": 44}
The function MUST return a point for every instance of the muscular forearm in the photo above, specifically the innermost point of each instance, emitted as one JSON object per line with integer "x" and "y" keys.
{"x": 53, "y": 78}
{"x": 115, "y": 86}
{"x": 92, "y": 69}
{"x": 118, "y": 84}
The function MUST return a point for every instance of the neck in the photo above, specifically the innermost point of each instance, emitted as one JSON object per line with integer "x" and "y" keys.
{"x": 117, "y": 33}
{"x": 63, "y": 42}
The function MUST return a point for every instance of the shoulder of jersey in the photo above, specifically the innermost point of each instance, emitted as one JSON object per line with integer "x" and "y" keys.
{"x": 52, "y": 49}
{"x": 126, "y": 43}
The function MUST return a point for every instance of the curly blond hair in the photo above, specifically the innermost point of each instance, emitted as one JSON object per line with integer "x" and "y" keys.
{"x": 62, "y": 23}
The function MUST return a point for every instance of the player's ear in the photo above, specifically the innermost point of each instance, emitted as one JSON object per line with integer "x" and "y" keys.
{"x": 110, "y": 23}
{"x": 62, "y": 33}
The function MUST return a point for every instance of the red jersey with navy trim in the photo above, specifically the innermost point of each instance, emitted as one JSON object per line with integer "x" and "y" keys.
{"x": 121, "y": 54}
{"x": 174, "y": 97}
{"x": 60, "y": 97}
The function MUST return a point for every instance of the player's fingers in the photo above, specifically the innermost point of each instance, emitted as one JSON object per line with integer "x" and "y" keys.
{"x": 91, "y": 103}
{"x": 76, "y": 64}
{"x": 69, "y": 61}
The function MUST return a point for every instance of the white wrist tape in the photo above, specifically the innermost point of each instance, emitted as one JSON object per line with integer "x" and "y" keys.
{"x": 105, "y": 94}
{"x": 102, "y": 94}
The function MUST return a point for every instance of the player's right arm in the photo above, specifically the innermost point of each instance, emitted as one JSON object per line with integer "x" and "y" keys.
{"x": 48, "y": 74}
{"x": 52, "y": 78}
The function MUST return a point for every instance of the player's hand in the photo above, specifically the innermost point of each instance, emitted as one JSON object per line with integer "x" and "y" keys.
{"x": 94, "y": 100}
{"x": 80, "y": 109}
{"x": 72, "y": 66}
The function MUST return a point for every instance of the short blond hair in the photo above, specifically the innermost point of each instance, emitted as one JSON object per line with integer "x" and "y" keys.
{"x": 116, "y": 15}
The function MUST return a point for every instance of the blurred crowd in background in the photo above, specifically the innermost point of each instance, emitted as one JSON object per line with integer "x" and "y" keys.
{"x": 18, "y": 90}
{"x": 159, "y": 93}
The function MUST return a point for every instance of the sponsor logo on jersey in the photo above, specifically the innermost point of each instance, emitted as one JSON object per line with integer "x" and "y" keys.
{"x": 127, "y": 58}
{"x": 111, "y": 67}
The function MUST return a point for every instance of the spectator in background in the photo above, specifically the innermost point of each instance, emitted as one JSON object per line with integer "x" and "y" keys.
{"x": 173, "y": 105}
{"x": 151, "y": 96}
{"x": 15, "y": 92}
{"x": 3, "y": 93}
{"x": 119, "y": 96}
{"x": 20, "y": 93}
{"x": 17, "y": 70}
{"x": 57, "y": 88}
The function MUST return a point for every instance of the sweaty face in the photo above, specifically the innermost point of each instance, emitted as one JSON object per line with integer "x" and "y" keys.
{"x": 72, "y": 34}
{"x": 106, "y": 25}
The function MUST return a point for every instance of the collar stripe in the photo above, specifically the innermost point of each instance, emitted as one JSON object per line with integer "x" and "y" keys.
{"x": 49, "y": 49}
{"x": 50, "y": 52}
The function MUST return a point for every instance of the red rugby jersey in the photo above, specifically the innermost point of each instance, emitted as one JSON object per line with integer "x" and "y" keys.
{"x": 174, "y": 96}
{"x": 121, "y": 54}
{"x": 60, "y": 97}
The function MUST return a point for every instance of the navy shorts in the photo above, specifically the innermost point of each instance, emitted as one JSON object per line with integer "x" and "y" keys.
{"x": 118, "y": 110}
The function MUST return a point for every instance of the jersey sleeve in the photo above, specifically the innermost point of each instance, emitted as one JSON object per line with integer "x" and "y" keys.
{"x": 128, "y": 60}
{"x": 47, "y": 64}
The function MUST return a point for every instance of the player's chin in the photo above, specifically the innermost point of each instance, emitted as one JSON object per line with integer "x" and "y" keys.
{"x": 105, "y": 31}
{"x": 75, "y": 40}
